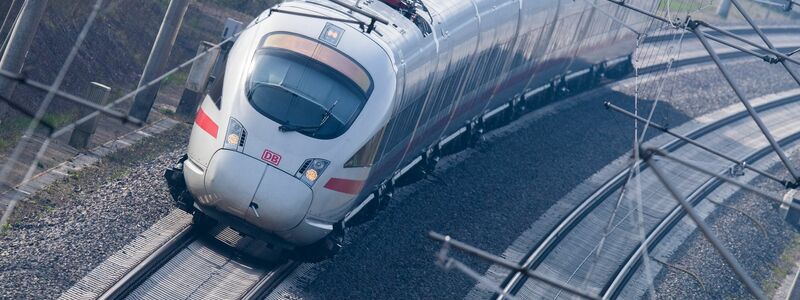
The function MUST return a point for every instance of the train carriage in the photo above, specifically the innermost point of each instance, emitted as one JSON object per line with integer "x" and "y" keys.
{"x": 321, "y": 111}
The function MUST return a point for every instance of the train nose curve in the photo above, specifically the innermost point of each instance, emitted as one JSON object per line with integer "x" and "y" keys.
{"x": 262, "y": 195}
{"x": 281, "y": 201}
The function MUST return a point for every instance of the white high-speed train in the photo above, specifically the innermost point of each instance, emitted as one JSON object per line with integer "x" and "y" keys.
{"x": 324, "y": 107}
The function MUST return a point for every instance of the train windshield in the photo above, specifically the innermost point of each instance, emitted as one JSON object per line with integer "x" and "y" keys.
{"x": 306, "y": 86}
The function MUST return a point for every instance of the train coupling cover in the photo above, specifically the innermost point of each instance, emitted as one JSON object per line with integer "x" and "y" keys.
{"x": 177, "y": 186}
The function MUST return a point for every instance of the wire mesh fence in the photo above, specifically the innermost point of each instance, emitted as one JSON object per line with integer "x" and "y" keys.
{"x": 659, "y": 42}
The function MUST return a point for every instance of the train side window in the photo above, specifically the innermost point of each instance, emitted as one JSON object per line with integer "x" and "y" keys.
{"x": 216, "y": 89}
{"x": 217, "y": 81}
{"x": 365, "y": 157}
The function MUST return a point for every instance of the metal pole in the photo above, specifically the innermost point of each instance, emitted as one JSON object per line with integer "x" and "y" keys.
{"x": 683, "y": 25}
{"x": 778, "y": 54}
{"x": 764, "y": 38}
{"x": 732, "y": 262}
{"x": 70, "y": 97}
{"x": 448, "y": 241}
{"x": 723, "y": 8}
{"x": 20, "y": 41}
{"x": 763, "y": 57}
{"x": 741, "y": 185}
{"x": 83, "y": 132}
{"x": 196, "y": 82}
{"x": 8, "y": 22}
{"x": 159, "y": 56}
{"x": 753, "y": 113}
{"x": 695, "y": 143}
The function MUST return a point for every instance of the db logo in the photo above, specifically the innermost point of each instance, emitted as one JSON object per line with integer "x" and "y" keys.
{"x": 271, "y": 158}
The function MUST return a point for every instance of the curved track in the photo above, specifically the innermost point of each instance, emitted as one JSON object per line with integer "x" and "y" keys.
{"x": 193, "y": 264}
{"x": 189, "y": 265}
{"x": 735, "y": 132}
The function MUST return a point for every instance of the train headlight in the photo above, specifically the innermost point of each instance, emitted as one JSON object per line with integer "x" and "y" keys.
{"x": 311, "y": 169}
{"x": 312, "y": 175}
{"x": 235, "y": 136}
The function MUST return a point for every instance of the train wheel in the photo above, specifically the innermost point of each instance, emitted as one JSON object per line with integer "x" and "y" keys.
{"x": 202, "y": 222}
{"x": 323, "y": 249}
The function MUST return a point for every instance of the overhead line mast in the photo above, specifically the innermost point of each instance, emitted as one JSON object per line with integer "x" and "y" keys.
{"x": 695, "y": 26}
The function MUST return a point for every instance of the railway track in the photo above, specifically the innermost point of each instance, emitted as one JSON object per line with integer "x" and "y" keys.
{"x": 606, "y": 193}
{"x": 194, "y": 264}
{"x": 626, "y": 271}
{"x": 180, "y": 266}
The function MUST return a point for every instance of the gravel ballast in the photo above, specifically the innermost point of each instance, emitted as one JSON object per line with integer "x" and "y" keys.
{"x": 490, "y": 195}
{"x": 63, "y": 232}
{"x": 494, "y": 192}
{"x": 757, "y": 240}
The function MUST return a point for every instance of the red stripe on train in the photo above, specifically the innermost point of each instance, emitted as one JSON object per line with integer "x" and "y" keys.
{"x": 347, "y": 186}
{"x": 206, "y": 123}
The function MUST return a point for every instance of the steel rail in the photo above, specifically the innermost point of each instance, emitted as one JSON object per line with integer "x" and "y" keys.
{"x": 726, "y": 254}
{"x": 537, "y": 255}
{"x": 743, "y": 99}
{"x": 448, "y": 242}
{"x": 694, "y": 23}
{"x": 151, "y": 264}
{"x": 666, "y": 36}
{"x": 666, "y": 130}
{"x": 270, "y": 281}
{"x": 764, "y": 38}
{"x": 625, "y": 272}
{"x": 781, "y": 56}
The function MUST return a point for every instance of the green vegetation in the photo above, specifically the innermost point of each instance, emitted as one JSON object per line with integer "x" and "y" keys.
{"x": 784, "y": 266}
{"x": 12, "y": 128}
{"x": 679, "y": 6}
{"x": 166, "y": 111}
{"x": 177, "y": 78}
{"x": 10, "y": 131}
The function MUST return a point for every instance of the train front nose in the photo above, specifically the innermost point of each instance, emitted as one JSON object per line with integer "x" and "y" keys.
{"x": 260, "y": 194}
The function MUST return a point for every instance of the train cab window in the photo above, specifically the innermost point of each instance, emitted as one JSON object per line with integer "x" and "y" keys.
{"x": 307, "y": 86}
{"x": 414, "y": 11}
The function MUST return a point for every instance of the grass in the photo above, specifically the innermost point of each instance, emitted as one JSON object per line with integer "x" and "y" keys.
{"x": 12, "y": 128}
{"x": 177, "y": 78}
{"x": 679, "y": 6}
{"x": 784, "y": 267}
{"x": 165, "y": 111}
{"x": 10, "y": 132}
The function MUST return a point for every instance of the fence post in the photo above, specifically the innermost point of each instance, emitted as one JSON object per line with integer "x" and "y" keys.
{"x": 723, "y": 8}
{"x": 159, "y": 55}
{"x": 83, "y": 133}
{"x": 196, "y": 82}
{"x": 19, "y": 41}
{"x": 8, "y": 22}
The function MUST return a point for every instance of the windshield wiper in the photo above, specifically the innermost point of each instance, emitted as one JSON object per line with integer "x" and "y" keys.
{"x": 315, "y": 128}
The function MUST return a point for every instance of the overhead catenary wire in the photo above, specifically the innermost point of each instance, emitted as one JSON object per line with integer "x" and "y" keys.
{"x": 448, "y": 242}
{"x": 705, "y": 229}
{"x": 662, "y": 128}
{"x": 649, "y": 56}
{"x": 686, "y": 24}
{"x": 29, "y": 131}
{"x": 5, "y": 171}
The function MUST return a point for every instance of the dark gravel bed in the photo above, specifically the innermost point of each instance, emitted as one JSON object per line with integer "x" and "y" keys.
{"x": 68, "y": 229}
{"x": 757, "y": 247}
{"x": 494, "y": 192}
